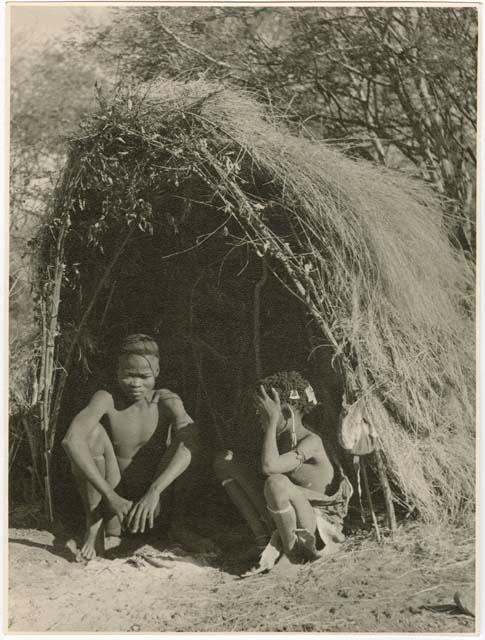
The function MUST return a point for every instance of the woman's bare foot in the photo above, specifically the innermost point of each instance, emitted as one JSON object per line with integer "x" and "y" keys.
{"x": 93, "y": 544}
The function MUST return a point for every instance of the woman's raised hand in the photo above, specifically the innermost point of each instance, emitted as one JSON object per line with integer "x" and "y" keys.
{"x": 269, "y": 407}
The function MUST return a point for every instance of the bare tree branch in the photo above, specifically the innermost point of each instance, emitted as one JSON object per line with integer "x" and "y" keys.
{"x": 189, "y": 47}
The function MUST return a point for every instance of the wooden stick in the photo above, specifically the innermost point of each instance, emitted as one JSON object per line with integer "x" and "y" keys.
{"x": 49, "y": 310}
{"x": 37, "y": 473}
{"x": 108, "y": 302}
{"x": 386, "y": 490}
{"x": 51, "y": 336}
{"x": 48, "y": 486}
{"x": 369, "y": 499}
{"x": 257, "y": 320}
{"x": 40, "y": 389}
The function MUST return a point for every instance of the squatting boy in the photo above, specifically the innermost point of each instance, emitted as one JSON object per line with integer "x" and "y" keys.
{"x": 149, "y": 441}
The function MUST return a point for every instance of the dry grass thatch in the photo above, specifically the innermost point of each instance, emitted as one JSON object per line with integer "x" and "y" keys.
{"x": 362, "y": 247}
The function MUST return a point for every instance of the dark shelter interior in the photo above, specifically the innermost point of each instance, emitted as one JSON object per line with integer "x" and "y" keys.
{"x": 222, "y": 316}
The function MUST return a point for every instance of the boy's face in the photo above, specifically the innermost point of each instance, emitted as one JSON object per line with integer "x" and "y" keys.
{"x": 136, "y": 375}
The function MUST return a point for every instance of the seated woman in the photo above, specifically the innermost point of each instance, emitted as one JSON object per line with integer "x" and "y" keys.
{"x": 291, "y": 504}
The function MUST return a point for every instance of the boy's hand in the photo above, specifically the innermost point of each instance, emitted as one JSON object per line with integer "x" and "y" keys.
{"x": 119, "y": 506}
{"x": 269, "y": 408}
{"x": 143, "y": 513}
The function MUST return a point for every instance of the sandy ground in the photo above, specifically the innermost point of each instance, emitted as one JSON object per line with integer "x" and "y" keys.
{"x": 405, "y": 584}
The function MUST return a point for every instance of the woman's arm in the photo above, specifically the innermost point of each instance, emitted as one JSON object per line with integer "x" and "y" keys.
{"x": 307, "y": 448}
{"x": 269, "y": 454}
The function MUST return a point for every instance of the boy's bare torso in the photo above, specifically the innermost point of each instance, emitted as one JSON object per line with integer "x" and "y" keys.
{"x": 132, "y": 427}
{"x": 139, "y": 433}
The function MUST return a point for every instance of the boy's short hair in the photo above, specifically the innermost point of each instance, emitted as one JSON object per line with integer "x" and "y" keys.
{"x": 292, "y": 389}
{"x": 139, "y": 344}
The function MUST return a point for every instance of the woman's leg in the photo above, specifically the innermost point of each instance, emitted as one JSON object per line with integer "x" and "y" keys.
{"x": 246, "y": 491}
{"x": 289, "y": 508}
{"x": 186, "y": 493}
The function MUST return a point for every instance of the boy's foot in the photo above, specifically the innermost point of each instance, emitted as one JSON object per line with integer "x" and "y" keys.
{"x": 93, "y": 544}
{"x": 111, "y": 542}
{"x": 112, "y": 527}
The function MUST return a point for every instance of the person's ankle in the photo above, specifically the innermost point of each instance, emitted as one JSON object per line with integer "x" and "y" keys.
{"x": 262, "y": 541}
{"x": 291, "y": 544}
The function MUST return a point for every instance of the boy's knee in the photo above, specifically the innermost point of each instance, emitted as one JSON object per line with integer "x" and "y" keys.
{"x": 222, "y": 464}
{"x": 276, "y": 486}
{"x": 97, "y": 441}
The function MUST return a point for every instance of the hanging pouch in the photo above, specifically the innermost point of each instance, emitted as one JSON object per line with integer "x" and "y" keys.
{"x": 355, "y": 434}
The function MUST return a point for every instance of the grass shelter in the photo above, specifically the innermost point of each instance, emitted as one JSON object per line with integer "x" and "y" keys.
{"x": 189, "y": 211}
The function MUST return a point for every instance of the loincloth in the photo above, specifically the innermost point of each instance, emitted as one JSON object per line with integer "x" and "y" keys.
{"x": 330, "y": 512}
{"x": 140, "y": 472}
{"x": 334, "y": 508}
{"x": 134, "y": 484}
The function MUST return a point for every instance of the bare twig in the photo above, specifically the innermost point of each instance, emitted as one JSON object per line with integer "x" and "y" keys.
{"x": 198, "y": 244}
{"x": 386, "y": 489}
{"x": 189, "y": 47}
